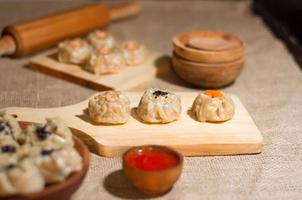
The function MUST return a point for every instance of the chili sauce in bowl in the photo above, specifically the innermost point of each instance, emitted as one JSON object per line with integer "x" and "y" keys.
{"x": 152, "y": 169}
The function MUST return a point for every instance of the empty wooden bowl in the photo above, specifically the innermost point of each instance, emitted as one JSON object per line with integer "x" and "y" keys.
{"x": 63, "y": 190}
{"x": 208, "y": 46}
{"x": 152, "y": 169}
{"x": 207, "y": 75}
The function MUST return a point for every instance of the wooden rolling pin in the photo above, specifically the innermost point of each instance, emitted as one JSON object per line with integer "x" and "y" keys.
{"x": 32, "y": 36}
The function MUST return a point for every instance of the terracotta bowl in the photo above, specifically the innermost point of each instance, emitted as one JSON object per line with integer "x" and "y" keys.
{"x": 207, "y": 75}
{"x": 208, "y": 46}
{"x": 63, "y": 190}
{"x": 153, "y": 182}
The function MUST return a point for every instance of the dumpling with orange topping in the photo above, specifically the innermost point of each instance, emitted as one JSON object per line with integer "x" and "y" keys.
{"x": 109, "y": 107}
{"x": 105, "y": 61}
{"x": 134, "y": 52}
{"x": 213, "y": 106}
{"x": 99, "y": 39}
{"x": 75, "y": 51}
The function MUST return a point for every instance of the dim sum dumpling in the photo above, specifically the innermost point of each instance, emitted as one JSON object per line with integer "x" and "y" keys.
{"x": 99, "y": 39}
{"x": 52, "y": 135}
{"x": 111, "y": 107}
{"x": 159, "y": 106}
{"x": 56, "y": 165}
{"x": 45, "y": 156}
{"x": 134, "y": 52}
{"x": 9, "y": 146}
{"x": 213, "y": 106}
{"x": 9, "y": 128}
{"x": 19, "y": 177}
{"x": 105, "y": 61}
{"x": 75, "y": 51}
{"x": 7, "y": 159}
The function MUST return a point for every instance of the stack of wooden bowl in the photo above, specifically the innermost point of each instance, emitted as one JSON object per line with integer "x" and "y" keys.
{"x": 207, "y": 58}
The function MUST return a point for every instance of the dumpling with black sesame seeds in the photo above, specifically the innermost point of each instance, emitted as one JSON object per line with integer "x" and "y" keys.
{"x": 159, "y": 106}
{"x": 56, "y": 164}
{"x": 19, "y": 175}
{"x": 54, "y": 134}
{"x": 9, "y": 128}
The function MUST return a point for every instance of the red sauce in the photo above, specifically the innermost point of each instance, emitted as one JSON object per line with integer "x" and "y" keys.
{"x": 151, "y": 159}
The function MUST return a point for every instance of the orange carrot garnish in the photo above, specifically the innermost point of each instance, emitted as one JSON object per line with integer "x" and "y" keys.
{"x": 213, "y": 93}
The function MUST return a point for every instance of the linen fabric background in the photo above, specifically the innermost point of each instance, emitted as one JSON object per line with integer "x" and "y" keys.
{"x": 269, "y": 86}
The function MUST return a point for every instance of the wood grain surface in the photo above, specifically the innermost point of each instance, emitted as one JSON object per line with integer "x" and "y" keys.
{"x": 125, "y": 79}
{"x": 192, "y": 138}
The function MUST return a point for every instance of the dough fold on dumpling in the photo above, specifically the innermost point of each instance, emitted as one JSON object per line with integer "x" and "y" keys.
{"x": 20, "y": 177}
{"x": 213, "y": 106}
{"x": 75, "y": 51}
{"x": 56, "y": 165}
{"x": 9, "y": 128}
{"x": 111, "y": 107}
{"x": 159, "y": 106}
{"x": 99, "y": 39}
{"x": 52, "y": 135}
{"x": 46, "y": 154}
{"x": 134, "y": 52}
{"x": 105, "y": 61}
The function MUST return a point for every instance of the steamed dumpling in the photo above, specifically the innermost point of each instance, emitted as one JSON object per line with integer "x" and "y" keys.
{"x": 19, "y": 176}
{"x": 9, "y": 128}
{"x": 7, "y": 159}
{"x": 105, "y": 61}
{"x": 46, "y": 155}
{"x": 134, "y": 52}
{"x": 52, "y": 135}
{"x": 56, "y": 165}
{"x": 110, "y": 107}
{"x": 159, "y": 106}
{"x": 50, "y": 147}
{"x": 75, "y": 51}
{"x": 9, "y": 146}
{"x": 213, "y": 106}
{"x": 99, "y": 39}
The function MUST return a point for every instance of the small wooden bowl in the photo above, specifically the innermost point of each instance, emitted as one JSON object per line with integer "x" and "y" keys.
{"x": 153, "y": 182}
{"x": 208, "y": 47}
{"x": 63, "y": 190}
{"x": 207, "y": 75}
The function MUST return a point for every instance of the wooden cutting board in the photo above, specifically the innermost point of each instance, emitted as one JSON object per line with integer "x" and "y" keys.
{"x": 125, "y": 79}
{"x": 192, "y": 138}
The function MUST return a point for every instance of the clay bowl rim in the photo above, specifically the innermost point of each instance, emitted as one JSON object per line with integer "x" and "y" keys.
{"x": 179, "y": 156}
{"x": 206, "y": 56}
{"x": 176, "y": 40}
{"x": 82, "y": 149}
{"x": 209, "y": 65}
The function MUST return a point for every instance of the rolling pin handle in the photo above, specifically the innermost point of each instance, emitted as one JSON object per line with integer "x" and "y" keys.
{"x": 7, "y": 45}
{"x": 121, "y": 11}
{"x": 24, "y": 34}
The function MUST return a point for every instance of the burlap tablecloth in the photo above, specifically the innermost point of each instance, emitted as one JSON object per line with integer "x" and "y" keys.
{"x": 269, "y": 86}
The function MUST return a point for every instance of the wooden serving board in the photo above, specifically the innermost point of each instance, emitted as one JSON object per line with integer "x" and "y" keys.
{"x": 125, "y": 79}
{"x": 192, "y": 138}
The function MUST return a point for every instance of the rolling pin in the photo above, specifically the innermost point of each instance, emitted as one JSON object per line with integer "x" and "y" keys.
{"x": 32, "y": 36}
